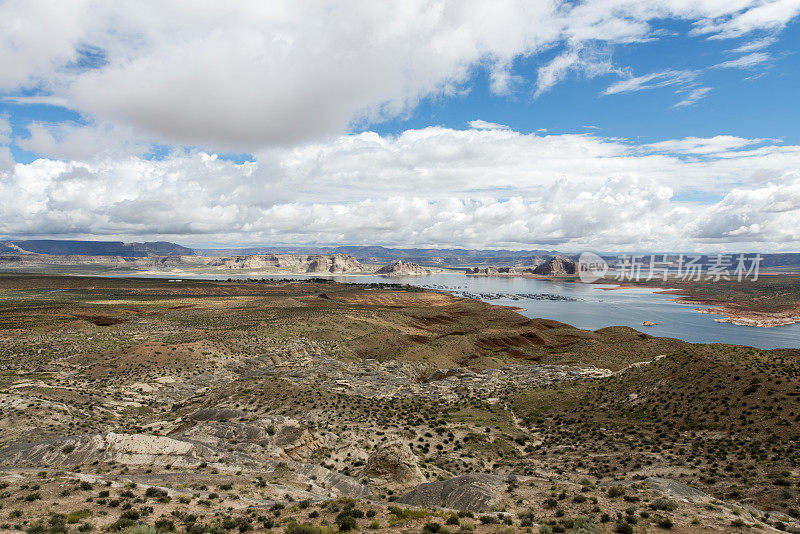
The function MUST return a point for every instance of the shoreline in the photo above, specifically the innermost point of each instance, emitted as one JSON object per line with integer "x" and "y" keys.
{"x": 734, "y": 315}
{"x": 730, "y": 313}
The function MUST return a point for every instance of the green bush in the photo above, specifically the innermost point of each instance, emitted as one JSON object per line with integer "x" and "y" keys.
{"x": 346, "y": 522}
{"x": 75, "y": 517}
{"x": 616, "y": 491}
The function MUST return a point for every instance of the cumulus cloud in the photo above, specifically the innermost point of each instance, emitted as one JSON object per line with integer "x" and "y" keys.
{"x": 6, "y": 160}
{"x": 767, "y": 214}
{"x": 479, "y": 187}
{"x": 245, "y": 74}
{"x": 71, "y": 141}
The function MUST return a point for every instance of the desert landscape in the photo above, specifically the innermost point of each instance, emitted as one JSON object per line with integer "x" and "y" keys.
{"x": 399, "y": 266}
{"x": 207, "y": 406}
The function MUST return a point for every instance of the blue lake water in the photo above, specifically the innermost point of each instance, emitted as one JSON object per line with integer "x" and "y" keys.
{"x": 594, "y": 308}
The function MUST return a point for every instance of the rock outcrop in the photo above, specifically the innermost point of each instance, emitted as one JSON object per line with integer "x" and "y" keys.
{"x": 127, "y": 449}
{"x": 295, "y": 263}
{"x": 491, "y": 271}
{"x": 401, "y": 268}
{"x": 394, "y": 466}
{"x": 474, "y": 493}
{"x": 556, "y": 266}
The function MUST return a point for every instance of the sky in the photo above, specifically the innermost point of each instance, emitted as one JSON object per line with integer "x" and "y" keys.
{"x": 613, "y": 125}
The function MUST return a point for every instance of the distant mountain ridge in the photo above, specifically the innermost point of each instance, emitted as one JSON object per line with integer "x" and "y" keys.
{"x": 93, "y": 248}
{"x": 458, "y": 258}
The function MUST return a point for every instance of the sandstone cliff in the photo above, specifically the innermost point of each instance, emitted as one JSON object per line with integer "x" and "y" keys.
{"x": 294, "y": 263}
{"x": 556, "y": 266}
{"x": 401, "y": 268}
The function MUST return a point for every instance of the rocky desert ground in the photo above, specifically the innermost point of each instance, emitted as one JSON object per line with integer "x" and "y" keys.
{"x": 144, "y": 405}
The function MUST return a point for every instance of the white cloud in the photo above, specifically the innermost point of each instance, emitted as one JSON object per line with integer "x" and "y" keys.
{"x": 5, "y": 131}
{"x": 6, "y": 159}
{"x": 745, "y": 62}
{"x": 70, "y": 141}
{"x": 755, "y": 44}
{"x": 47, "y": 100}
{"x": 766, "y": 214}
{"x": 245, "y": 74}
{"x": 693, "y": 96}
{"x": 586, "y": 61}
{"x": 435, "y": 186}
{"x": 771, "y": 15}
{"x": 484, "y": 125}
{"x": 651, "y": 81}
{"x": 704, "y": 145}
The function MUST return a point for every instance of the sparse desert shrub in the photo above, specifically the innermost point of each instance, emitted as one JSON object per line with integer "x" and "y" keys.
{"x": 36, "y": 528}
{"x": 408, "y": 513}
{"x": 306, "y": 528}
{"x": 75, "y": 517}
{"x": 155, "y": 492}
{"x": 346, "y": 522}
{"x": 615, "y": 491}
{"x": 141, "y": 529}
{"x": 165, "y": 525}
{"x": 121, "y": 524}
{"x": 584, "y": 525}
{"x": 664, "y": 505}
{"x": 664, "y": 522}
